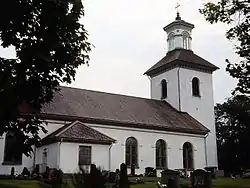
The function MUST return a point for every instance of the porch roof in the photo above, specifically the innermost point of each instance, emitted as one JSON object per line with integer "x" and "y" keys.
{"x": 77, "y": 132}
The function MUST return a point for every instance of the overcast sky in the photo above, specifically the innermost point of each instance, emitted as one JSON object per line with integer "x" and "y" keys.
{"x": 128, "y": 37}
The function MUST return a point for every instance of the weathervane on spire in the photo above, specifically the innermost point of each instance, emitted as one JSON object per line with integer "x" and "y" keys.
{"x": 177, "y": 8}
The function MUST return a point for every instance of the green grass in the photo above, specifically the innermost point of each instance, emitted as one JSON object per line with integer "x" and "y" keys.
{"x": 232, "y": 183}
{"x": 145, "y": 185}
{"x": 225, "y": 183}
{"x": 149, "y": 183}
{"x": 22, "y": 184}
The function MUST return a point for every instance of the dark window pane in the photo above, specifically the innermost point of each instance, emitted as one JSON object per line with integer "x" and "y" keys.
{"x": 195, "y": 87}
{"x": 85, "y": 155}
{"x": 131, "y": 152}
{"x": 161, "y": 157}
{"x": 11, "y": 153}
{"x": 164, "y": 89}
{"x": 188, "y": 156}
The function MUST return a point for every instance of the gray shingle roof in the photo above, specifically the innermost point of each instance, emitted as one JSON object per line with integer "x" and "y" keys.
{"x": 181, "y": 57}
{"x": 112, "y": 109}
{"x": 77, "y": 132}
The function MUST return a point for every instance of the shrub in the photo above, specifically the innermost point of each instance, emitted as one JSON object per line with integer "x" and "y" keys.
{"x": 139, "y": 180}
{"x": 56, "y": 179}
{"x": 93, "y": 180}
{"x": 150, "y": 172}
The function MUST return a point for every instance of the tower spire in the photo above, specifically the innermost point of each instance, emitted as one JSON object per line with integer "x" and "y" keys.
{"x": 177, "y": 9}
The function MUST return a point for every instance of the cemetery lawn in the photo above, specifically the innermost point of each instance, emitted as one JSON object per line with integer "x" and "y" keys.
{"x": 219, "y": 183}
{"x": 22, "y": 184}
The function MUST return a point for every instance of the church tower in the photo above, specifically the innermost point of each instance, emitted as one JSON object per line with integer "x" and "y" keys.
{"x": 184, "y": 80}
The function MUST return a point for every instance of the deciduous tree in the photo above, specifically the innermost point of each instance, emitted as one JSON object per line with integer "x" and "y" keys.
{"x": 237, "y": 14}
{"x": 233, "y": 133}
{"x": 50, "y": 44}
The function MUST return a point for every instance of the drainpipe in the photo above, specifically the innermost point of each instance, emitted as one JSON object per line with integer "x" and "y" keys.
{"x": 110, "y": 156}
{"x": 178, "y": 77}
{"x": 205, "y": 144}
{"x": 59, "y": 153}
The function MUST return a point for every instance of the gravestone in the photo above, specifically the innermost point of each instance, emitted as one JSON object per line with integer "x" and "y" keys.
{"x": 132, "y": 170}
{"x": 212, "y": 170}
{"x": 220, "y": 173}
{"x": 150, "y": 172}
{"x": 171, "y": 178}
{"x": 201, "y": 179}
{"x": 123, "y": 181}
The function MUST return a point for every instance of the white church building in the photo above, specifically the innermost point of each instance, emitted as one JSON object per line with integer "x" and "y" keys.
{"x": 174, "y": 129}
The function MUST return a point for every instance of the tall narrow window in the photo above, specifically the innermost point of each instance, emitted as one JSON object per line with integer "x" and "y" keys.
{"x": 196, "y": 87}
{"x": 171, "y": 42}
{"x": 164, "y": 90}
{"x": 188, "y": 160}
{"x": 186, "y": 38}
{"x": 11, "y": 154}
{"x": 131, "y": 152}
{"x": 161, "y": 154}
{"x": 84, "y": 155}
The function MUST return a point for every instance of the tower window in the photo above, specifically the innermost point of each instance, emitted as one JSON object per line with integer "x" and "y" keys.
{"x": 196, "y": 87}
{"x": 186, "y": 40}
{"x": 164, "y": 90}
{"x": 170, "y": 41}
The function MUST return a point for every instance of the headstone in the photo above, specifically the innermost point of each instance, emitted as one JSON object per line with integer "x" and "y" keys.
{"x": 132, "y": 170}
{"x": 220, "y": 173}
{"x": 123, "y": 181}
{"x": 171, "y": 178}
{"x": 212, "y": 170}
{"x": 201, "y": 179}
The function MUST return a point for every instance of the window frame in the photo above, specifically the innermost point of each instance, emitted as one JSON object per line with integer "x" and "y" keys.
{"x": 13, "y": 161}
{"x": 196, "y": 87}
{"x": 161, "y": 153}
{"x": 164, "y": 89}
{"x": 171, "y": 42}
{"x": 131, "y": 152}
{"x": 188, "y": 156}
{"x": 87, "y": 155}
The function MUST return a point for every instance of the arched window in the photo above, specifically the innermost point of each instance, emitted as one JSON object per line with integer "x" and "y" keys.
{"x": 161, "y": 154}
{"x": 11, "y": 153}
{"x": 186, "y": 38}
{"x": 196, "y": 87}
{"x": 170, "y": 41}
{"x": 164, "y": 90}
{"x": 188, "y": 160}
{"x": 131, "y": 152}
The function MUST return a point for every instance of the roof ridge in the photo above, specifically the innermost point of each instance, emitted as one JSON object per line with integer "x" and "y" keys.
{"x": 103, "y": 92}
{"x": 68, "y": 126}
{"x": 162, "y": 101}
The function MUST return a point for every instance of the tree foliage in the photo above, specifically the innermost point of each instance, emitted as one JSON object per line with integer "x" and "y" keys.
{"x": 50, "y": 44}
{"x": 233, "y": 130}
{"x": 237, "y": 14}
